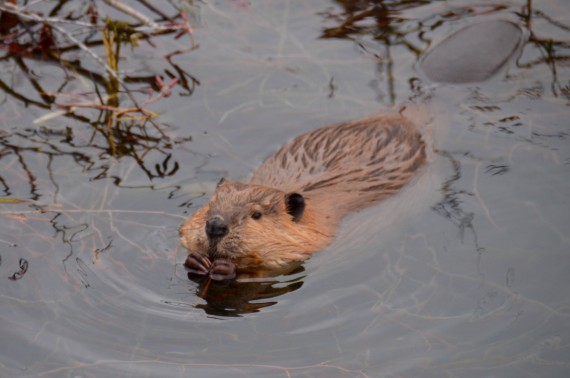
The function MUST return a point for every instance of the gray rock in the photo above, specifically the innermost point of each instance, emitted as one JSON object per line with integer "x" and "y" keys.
{"x": 474, "y": 53}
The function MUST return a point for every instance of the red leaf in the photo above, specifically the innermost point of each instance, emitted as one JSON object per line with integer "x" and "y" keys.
{"x": 47, "y": 40}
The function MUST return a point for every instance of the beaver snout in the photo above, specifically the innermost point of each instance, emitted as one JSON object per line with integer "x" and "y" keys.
{"x": 216, "y": 228}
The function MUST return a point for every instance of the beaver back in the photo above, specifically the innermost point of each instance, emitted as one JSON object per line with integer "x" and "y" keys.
{"x": 347, "y": 166}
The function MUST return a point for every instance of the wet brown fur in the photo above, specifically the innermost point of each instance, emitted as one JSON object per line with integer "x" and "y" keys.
{"x": 337, "y": 169}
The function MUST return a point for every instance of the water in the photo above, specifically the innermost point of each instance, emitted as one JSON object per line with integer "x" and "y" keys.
{"x": 463, "y": 273}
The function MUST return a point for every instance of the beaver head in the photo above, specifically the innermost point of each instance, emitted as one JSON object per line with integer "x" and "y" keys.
{"x": 254, "y": 226}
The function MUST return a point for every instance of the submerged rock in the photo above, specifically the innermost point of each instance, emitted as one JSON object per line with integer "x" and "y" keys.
{"x": 474, "y": 53}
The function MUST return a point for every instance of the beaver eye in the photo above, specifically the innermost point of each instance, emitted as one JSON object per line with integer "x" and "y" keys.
{"x": 256, "y": 215}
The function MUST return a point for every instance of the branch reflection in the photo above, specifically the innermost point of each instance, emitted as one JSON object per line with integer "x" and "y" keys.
{"x": 109, "y": 116}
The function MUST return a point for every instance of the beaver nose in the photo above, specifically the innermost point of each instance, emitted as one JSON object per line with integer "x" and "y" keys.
{"x": 216, "y": 228}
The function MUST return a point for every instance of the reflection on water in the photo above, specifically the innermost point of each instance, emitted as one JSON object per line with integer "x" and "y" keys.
{"x": 108, "y": 108}
{"x": 378, "y": 26}
{"x": 460, "y": 275}
{"x": 234, "y": 298}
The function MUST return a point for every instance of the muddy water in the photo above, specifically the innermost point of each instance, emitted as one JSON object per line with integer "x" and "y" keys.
{"x": 464, "y": 273}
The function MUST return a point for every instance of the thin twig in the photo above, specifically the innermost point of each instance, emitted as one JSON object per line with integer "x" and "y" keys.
{"x": 182, "y": 27}
{"x": 164, "y": 92}
{"x": 119, "y": 5}
{"x": 52, "y": 22}
{"x": 25, "y": 14}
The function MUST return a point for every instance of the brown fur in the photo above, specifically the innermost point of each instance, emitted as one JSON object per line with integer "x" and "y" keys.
{"x": 337, "y": 169}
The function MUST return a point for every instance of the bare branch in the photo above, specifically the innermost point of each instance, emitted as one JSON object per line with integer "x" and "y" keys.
{"x": 25, "y": 14}
{"x": 119, "y": 5}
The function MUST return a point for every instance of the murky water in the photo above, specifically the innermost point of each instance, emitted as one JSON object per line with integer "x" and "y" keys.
{"x": 464, "y": 273}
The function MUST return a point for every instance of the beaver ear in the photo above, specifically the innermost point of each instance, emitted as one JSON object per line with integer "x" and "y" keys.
{"x": 295, "y": 204}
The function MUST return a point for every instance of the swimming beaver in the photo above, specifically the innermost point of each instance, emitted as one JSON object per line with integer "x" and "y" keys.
{"x": 294, "y": 201}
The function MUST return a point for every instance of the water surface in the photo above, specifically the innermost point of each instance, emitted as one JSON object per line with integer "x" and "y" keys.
{"x": 464, "y": 273}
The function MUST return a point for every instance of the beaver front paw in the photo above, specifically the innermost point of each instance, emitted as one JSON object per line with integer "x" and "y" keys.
{"x": 222, "y": 270}
{"x": 218, "y": 270}
{"x": 198, "y": 264}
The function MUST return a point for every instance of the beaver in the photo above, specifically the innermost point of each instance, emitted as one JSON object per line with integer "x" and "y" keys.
{"x": 294, "y": 201}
